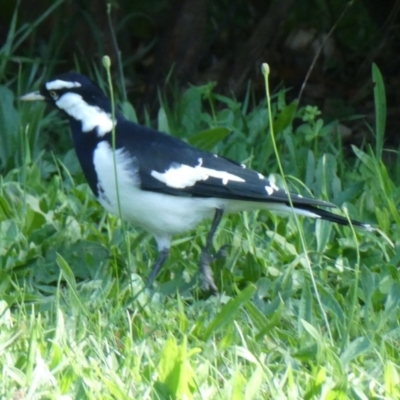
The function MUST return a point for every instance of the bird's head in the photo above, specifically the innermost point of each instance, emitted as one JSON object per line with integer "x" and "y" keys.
{"x": 80, "y": 98}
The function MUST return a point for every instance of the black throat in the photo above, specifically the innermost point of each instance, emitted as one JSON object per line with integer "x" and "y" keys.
{"x": 85, "y": 145}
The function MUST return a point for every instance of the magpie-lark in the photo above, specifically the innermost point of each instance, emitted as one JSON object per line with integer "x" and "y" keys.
{"x": 165, "y": 185}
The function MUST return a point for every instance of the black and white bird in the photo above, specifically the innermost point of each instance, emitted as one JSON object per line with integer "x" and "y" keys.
{"x": 165, "y": 186}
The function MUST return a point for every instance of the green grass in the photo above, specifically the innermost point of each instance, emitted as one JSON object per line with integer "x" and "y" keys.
{"x": 75, "y": 322}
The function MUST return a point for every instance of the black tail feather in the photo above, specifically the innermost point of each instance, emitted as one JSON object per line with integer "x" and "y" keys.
{"x": 338, "y": 219}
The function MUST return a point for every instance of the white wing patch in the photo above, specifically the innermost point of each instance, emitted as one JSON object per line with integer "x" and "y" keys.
{"x": 271, "y": 187}
{"x": 180, "y": 176}
{"x": 269, "y": 190}
{"x": 271, "y": 181}
{"x": 90, "y": 116}
{"x": 59, "y": 84}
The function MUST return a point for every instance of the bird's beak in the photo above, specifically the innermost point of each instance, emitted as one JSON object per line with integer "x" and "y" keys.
{"x": 34, "y": 96}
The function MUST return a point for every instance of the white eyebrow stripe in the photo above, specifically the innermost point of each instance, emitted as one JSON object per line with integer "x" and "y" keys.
{"x": 59, "y": 84}
{"x": 181, "y": 176}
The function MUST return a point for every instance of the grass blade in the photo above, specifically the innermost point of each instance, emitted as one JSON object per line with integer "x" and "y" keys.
{"x": 380, "y": 109}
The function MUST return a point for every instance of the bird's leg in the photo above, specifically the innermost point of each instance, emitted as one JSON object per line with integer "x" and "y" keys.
{"x": 206, "y": 258}
{"x": 163, "y": 255}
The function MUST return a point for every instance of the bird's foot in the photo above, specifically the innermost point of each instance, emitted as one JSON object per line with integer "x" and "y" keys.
{"x": 222, "y": 252}
{"x": 206, "y": 259}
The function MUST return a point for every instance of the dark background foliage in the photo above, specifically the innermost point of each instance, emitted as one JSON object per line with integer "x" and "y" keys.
{"x": 196, "y": 41}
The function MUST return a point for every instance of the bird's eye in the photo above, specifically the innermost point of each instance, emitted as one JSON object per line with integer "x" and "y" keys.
{"x": 53, "y": 95}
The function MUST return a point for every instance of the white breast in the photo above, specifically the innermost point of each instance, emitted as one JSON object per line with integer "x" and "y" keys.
{"x": 156, "y": 212}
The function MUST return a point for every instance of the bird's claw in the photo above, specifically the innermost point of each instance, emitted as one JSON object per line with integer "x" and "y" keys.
{"x": 222, "y": 252}
{"x": 206, "y": 259}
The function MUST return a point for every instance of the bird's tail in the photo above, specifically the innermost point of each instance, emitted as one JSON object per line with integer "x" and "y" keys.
{"x": 328, "y": 216}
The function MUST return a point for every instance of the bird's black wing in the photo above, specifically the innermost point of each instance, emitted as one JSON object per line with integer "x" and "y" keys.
{"x": 169, "y": 165}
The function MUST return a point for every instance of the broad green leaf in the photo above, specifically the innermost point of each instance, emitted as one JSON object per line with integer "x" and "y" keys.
{"x": 285, "y": 117}
{"x": 259, "y": 320}
{"x": 163, "y": 125}
{"x": 207, "y": 140}
{"x": 310, "y": 169}
{"x": 175, "y": 370}
{"x": 191, "y": 109}
{"x": 238, "y": 383}
{"x": 232, "y": 104}
{"x": 364, "y": 158}
{"x": 69, "y": 277}
{"x": 355, "y": 349}
{"x": 305, "y": 306}
{"x": 393, "y": 300}
{"x": 66, "y": 272}
{"x": 253, "y": 387}
{"x": 229, "y": 311}
{"x": 312, "y": 331}
{"x": 9, "y": 125}
{"x": 329, "y": 301}
{"x": 323, "y": 230}
{"x": 392, "y": 380}
{"x": 5, "y": 210}
{"x": 380, "y": 109}
{"x": 128, "y": 111}
{"x": 283, "y": 243}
